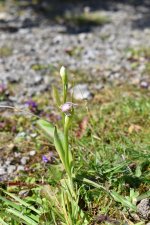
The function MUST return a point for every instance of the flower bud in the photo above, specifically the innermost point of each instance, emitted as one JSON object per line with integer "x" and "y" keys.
{"x": 63, "y": 74}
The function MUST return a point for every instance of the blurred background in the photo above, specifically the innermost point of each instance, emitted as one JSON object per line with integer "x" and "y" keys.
{"x": 100, "y": 42}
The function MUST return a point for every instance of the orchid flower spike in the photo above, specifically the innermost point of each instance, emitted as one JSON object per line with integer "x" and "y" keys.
{"x": 67, "y": 107}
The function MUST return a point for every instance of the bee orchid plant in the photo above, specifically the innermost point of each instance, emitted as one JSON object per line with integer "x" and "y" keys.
{"x": 69, "y": 193}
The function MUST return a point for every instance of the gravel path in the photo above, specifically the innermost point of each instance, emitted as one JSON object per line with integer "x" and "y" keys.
{"x": 103, "y": 51}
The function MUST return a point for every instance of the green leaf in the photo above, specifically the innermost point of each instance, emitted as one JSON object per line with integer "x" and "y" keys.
{"x": 22, "y": 202}
{"x": 94, "y": 184}
{"x": 2, "y": 222}
{"x": 122, "y": 200}
{"x": 59, "y": 146}
{"x": 10, "y": 203}
{"x": 56, "y": 96}
{"x": 138, "y": 171}
{"x": 48, "y": 129}
{"x": 144, "y": 195}
{"x": 25, "y": 218}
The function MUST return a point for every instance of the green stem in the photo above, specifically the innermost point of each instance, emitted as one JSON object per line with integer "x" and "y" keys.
{"x": 66, "y": 144}
{"x": 65, "y": 89}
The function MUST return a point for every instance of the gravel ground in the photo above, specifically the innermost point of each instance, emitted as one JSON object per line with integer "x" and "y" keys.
{"x": 102, "y": 52}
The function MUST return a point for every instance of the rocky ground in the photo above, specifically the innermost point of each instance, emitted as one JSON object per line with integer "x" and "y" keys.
{"x": 33, "y": 46}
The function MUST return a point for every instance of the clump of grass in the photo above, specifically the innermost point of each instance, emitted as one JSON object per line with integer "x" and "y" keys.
{"x": 102, "y": 174}
{"x": 38, "y": 67}
{"x": 86, "y": 19}
{"x": 136, "y": 56}
{"x": 147, "y": 69}
{"x": 5, "y": 51}
{"x": 139, "y": 52}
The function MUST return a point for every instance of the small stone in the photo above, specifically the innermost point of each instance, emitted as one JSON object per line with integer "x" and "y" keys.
{"x": 20, "y": 168}
{"x": 24, "y": 160}
{"x": 7, "y": 162}
{"x": 24, "y": 193}
{"x": 81, "y": 92}
{"x": 21, "y": 135}
{"x": 38, "y": 79}
{"x": 89, "y": 55}
{"x": 17, "y": 154}
{"x": 32, "y": 153}
{"x": 143, "y": 208}
{"x": 11, "y": 169}
{"x": 33, "y": 135}
{"x": 13, "y": 79}
{"x": 2, "y": 171}
{"x": 57, "y": 39}
{"x": 82, "y": 36}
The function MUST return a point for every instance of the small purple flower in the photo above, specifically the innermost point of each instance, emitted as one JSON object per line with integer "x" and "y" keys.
{"x": 2, "y": 88}
{"x": 45, "y": 159}
{"x": 32, "y": 105}
{"x": 67, "y": 107}
{"x": 48, "y": 157}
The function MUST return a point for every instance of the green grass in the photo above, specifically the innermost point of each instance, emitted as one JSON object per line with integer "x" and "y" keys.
{"x": 113, "y": 152}
{"x": 5, "y": 51}
{"x": 85, "y": 19}
{"x": 138, "y": 55}
{"x": 140, "y": 52}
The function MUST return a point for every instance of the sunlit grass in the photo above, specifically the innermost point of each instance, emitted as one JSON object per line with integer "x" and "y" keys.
{"x": 113, "y": 151}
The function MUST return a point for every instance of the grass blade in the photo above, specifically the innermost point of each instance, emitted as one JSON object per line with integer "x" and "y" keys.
{"x": 122, "y": 200}
{"x": 23, "y": 202}
{"x": 2, "y": 222}
{"x": 25, "y": 218}
{"x": 56, "y": 96}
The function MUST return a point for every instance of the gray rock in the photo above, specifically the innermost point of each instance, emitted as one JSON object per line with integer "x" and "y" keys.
{"x": 11, "y": 169}
{"x": 143, "y": 208}
{"x": 21, "y": 135}
{"x": 7, "y": 163}
{"x": 32, "y": 153}
{"x": 81, "y": 92}
{"x": 58, "y": 39}
{"x": 2, "y": 171}
{"x": 20, "y": 168}
{"x": 24, "y": 160}
{"x": 38, "y": 79}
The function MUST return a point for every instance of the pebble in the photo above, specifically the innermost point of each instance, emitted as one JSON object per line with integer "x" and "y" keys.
{"x": 143, "y": 208}
{"x": 21, "y": 135}
{"x": 24, "y": 160}
{"x": 2, "y": 171}
{"x": 32, "y": 153}
{"x": 20, "y": 168}
{"x": 11, "y": 169}
{"x": 7, "y": 163}
{"x": 81, "y": 92}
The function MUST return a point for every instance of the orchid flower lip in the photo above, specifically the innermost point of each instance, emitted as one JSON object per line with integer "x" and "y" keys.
{"x": 66, "y": 107}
